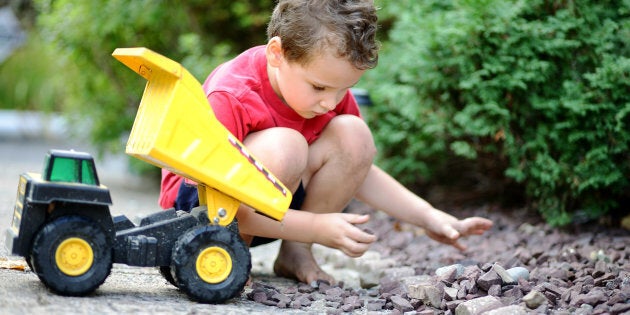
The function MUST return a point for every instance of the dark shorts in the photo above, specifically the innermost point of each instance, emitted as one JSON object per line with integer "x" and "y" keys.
{"x": 188, "y": 198}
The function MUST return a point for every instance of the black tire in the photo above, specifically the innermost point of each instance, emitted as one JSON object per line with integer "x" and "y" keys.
{"x": 72, "y": 255}
{"x": 224, "y": 260}
{"x": 165, "y": 271}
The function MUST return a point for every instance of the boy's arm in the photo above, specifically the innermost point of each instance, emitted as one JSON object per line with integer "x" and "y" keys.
{"x": 383, "y": 192}
{"x": 336, "y": 230}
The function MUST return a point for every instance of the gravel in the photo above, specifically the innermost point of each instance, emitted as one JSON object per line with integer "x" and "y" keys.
{"x": 521, "y": 266}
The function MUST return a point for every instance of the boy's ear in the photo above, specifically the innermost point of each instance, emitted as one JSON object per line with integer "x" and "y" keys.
{"x": 274, "y": 51}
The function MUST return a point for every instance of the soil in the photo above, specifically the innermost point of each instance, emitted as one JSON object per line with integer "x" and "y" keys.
{"x": 520, "y": 266}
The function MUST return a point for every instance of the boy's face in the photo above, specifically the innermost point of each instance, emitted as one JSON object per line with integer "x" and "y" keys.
{"x": 316, "y": 88}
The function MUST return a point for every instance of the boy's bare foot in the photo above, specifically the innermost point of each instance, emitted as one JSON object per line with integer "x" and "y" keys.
{"x": 295, "y": 260}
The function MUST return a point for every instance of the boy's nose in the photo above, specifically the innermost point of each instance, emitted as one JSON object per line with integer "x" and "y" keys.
{"x": 328, "y": 104}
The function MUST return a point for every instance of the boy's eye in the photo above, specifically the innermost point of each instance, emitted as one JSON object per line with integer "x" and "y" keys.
{"x": 318, "y": 88}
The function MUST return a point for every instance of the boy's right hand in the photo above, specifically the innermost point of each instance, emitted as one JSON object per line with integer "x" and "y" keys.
{"x": 339, "y": 230}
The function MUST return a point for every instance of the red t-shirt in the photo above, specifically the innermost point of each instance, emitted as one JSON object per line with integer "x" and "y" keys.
{"x": 243, "y": 100}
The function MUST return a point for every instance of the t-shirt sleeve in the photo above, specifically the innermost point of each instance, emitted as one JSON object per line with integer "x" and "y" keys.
{"x": 231, "y": 113}
{"x": 348, "y": 105}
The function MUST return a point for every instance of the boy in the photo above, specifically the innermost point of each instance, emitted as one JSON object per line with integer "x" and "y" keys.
{"x": 289, "y": 103}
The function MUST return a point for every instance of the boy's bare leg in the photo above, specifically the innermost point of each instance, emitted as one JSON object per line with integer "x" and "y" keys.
{"x": 337, "y": 165}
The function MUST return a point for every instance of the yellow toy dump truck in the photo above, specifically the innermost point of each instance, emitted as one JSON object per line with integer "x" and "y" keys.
{"x": 63, "y": 227}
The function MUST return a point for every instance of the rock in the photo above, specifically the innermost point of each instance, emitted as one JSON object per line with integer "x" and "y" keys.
{"x": 599, "y": 255}
{"x": 305, "y": 288}
{"x": 347, "y": 308}
{"x": 604, "y": 280}
{"x": 258, "y": 295}
{"x": 281, "y": 299}
{"x": 560, "y": 275}
{"x": 375, "y": 305}
{"x": 390, "y": 285}
{"x": 511, "y": 310}
{"x": 585, "y": 309}
{"x": 592, "y": 298}
{"x": 488, "y": 279}
{"x": 450, "y": 273}
{"x": 552, "y": 289}
{"x": 430, "y": 294}
{"x": 478, "y": 306}
{"x": 353, "y": 300}
{"x": 301, "y": 301}
{"x": 618, "y": 297}
{"x": 506, "y": 278}
{"x": 322, "y": 285}
{"x": 399, "y": 272}
{"x": 518, "y": 273}
{"x": 470, "y": 286}
{"x": 534, "y": 299}
{"x": 371, "y": 267}
{"x": 450, "y": 294}
{"x": 495, "y": 290}
{"x": 452, "y": 305}
{"x": 486, "y": 267}
{"x": 524, "y": 285}
{"x": 401, "y": 304}
{"x": 406, "y": 281}
{"x": 471, "y": 273}
{"x": 619, "y": 308}
{"x": 600, "y": 269}
{"x": 334, "y": 294}
{"x": 461, "y": 293}
{"x": 514, "y": 293}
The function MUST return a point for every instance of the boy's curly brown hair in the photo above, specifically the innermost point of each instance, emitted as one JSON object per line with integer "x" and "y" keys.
{"x": 309, "y": 27}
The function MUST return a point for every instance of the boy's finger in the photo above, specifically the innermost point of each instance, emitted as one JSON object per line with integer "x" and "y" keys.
{"x": 459, "y": 246}
{"x": 450, "y": 233}
{"x": 354, "y": 249}
{"x": 362, "y": 235}
{"x": 357, "y": 218}
{"x": 365, "y": 238}
{"x": 473, "y": 226}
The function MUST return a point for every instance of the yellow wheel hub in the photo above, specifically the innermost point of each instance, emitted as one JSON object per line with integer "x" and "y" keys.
{"x": 74, "y": 256}
{"x": 214, "y": 264}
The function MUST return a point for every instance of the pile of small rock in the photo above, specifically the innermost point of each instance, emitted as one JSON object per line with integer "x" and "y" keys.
{"x": 457, "y": 289}
{"x": 532, "y": 269}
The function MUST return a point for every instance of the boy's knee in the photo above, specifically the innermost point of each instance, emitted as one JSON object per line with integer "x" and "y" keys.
{"x": 283, "y": 151}
{"x": 355, "y": 137}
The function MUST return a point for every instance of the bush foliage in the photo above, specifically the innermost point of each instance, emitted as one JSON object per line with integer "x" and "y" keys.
{"x": 199, "y": 34}
{"x": 538, "y": 87}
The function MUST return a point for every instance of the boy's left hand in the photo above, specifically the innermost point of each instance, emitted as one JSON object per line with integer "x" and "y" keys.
{"x": 447, "y": 229}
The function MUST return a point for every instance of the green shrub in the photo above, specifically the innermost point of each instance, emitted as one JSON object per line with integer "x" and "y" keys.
{"x": 25, "y": 78}
{"x": 103, "y": 92}
{"x": 541, "y": 87}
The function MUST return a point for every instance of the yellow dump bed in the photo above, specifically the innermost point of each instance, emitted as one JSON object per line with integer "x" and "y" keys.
{"x": 175, "y": 128}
